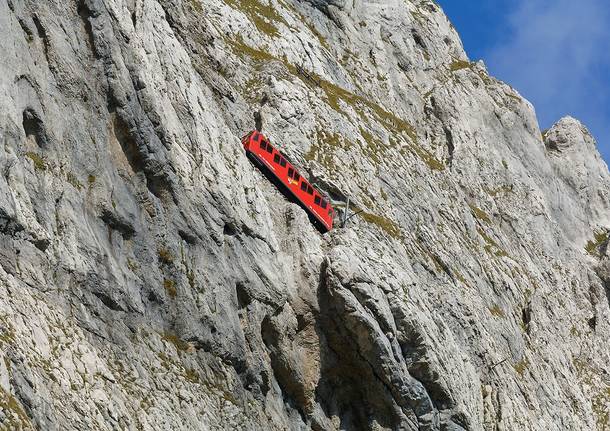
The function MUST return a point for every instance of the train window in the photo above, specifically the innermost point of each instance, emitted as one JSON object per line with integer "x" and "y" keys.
{"x": 263, "y": 145}
{"x": 317, "y": 200}
{"x": 304, "y": 186}
{"x": 296, "y": 176}
{"x": 282, "y": 162}
{"x": 324, "y": 204}
{"x": 257, "y": 137}
{"x": 309, "y": 189}
{"x": 290, "y": 173}
{"x": 276, "y": 158}
{"x": 268, "y": 147}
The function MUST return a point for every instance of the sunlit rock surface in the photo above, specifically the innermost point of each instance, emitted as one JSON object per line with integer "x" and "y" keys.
{"x": 151, "y": 278}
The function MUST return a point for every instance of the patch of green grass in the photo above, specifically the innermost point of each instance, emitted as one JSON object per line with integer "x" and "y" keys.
{"x": 191, "y": 375}
{"x": 421, "y": 18}
{"x": 600, "y": 405}
{"x": 261, "y": 13}
{"x": 521, "y": 366}
{"x": 387, "y": 225}
{"x": 242, "y": 49}
{"x": 496, "y": 311}
{"x": 513, "y": 96}
{"x": 487, "y": 80}
{"x": 459, "y": 65}
{"x": 38, "y": 160}
{"x": 593, "y": 246}
{"x": 374, "y": 147}
{"x": 165, "y": 256}
{"x": 179, "y": 344}
{"x": 196, "y": 5}
{"x": 599, "y": 396}
{"x": 71, "y": 178}
{"x": 461, "y": 278}
{"x": 132, "y": 265}
{"x": 14, "y": 415}
{"x": 316, "y": 33}
{"x": 492, "y": 247}
{"x": 170, "y": 288}
{"x": 429, "y": 159}
{"x": 324, "y": 147}
{"x": 392, "y": 122}
{"x": 479, "y": 214}
{"x": 336, "y": 94}
{"x": 166, "y": 362}
{"x": 7, "y": 335}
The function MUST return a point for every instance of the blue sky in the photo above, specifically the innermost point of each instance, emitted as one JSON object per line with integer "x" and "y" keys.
{"x": 556, "y": 53}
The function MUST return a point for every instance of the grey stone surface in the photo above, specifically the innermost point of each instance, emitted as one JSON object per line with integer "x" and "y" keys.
{"x": 151, "y": 278}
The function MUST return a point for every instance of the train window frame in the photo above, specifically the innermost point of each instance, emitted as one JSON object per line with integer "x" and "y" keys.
{"x": 304, "y": 186}
{"x": 290, "y": 172}
{"x": 282, "y": 162}
{"x": 297, "y": 177}
{"x": 309, "y": 190}
{"x": 317, "y": 200}
{"x": 324, "y": 204}
{"x": 276, "y": 158}
{"x": 257, "y": 137}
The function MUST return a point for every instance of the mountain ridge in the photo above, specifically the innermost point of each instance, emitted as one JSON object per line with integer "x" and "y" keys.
{"x": 151, "y": 278}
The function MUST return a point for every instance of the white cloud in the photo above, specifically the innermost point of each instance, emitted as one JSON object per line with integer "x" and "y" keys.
{"x": 557, "y": 54}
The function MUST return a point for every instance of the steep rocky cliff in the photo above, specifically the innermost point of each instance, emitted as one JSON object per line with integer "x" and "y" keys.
{"x": 152, "y": 278}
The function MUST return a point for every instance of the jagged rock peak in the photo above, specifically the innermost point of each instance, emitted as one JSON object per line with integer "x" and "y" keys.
{"x": 570, "y": 133}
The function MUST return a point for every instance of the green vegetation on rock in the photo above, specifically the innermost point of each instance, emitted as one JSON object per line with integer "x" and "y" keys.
{"x": 599, "y": 239}
{"x": 178, "y": 343}
{"x": 479, "y": 214}
{"x": 196, "y": 5}
{"x": 459, "y": 65}
{"x": 521, "y": 366}
{"x": 387, "y": 225}
{"x": 13, "y": 415}
{"x": 261, "y": 13}
{"x": 165, "y": 256}
{"x": 38, "y": 160}
{"x": 170, "y": 288}
{"x": 492, "y": 247}
{"x": 71, "y": 178}
{"x": 496, "y": 311}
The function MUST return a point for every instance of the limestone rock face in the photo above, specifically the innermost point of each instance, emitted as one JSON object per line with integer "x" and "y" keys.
{"x": 151, "y": 278}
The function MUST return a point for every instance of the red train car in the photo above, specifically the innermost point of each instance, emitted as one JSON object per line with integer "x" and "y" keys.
{"x": 271, "y": 159}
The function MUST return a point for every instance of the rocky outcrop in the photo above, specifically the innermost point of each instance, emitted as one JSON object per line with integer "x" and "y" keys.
{"x": 151, "y": 278}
